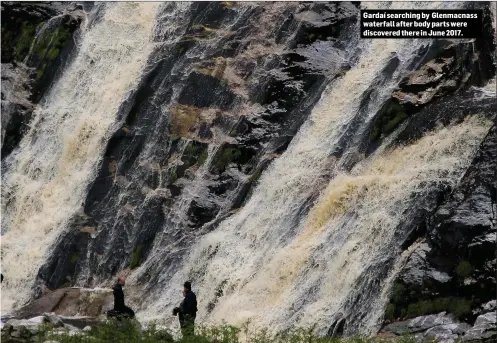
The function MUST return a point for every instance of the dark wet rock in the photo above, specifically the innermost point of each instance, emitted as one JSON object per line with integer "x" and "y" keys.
{"x": 208, "y": 109}
{"x": 16, "y": 105}
{"x": 19, "y": 23}
{"x": 453, "y": 67}
{"x": 36, "y": 38}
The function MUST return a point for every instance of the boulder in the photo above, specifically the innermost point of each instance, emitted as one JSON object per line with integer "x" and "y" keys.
{"x": 53, "y": 319}
{"x": 485, "y": 329}
{"x": 441, "y": 327}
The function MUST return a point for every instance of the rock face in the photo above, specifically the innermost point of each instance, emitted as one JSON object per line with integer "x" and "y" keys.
{"x": 214, "y": 108}
{"x": 261, "y": 87}
{"x": 451, "y": 266}
{"x": 36, "y": 39}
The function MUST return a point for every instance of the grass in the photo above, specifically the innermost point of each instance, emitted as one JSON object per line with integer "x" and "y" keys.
{"x": 457, "y": 306}
{"x": 124, "y": 331}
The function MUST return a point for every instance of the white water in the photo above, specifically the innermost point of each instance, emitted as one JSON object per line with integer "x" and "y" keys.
{"x": 277, "y": 269}
{"x": 45, "y": 179}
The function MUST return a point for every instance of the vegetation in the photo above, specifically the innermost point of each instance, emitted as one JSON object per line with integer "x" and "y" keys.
{"x": 197, "y": 151}
{"x": 24, "y": 41}
{"x": 457, "y": 306}
{"x": 125, "y": 331}
{"x": 391, "y": 116}
{"x": 464, "y": 269}
{"x": 256, "y": 175}
{"x": 136, "y": 257}
{"x": 228, "y": 156}
{"x": 400, "y": 307}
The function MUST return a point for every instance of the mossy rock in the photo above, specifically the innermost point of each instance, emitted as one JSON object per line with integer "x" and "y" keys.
{"x": 194, "y": 153}
{"x": 464, "y": 269}
{"x": 256, "y": 175}
{"x": 52, "y": 42}
{"x": 227, "y": 156}
{"x": 24, "y": 41}
{"x": 136, "y": 256}
{"x": 391, "y": 115}
{"x": 183, "y": 119}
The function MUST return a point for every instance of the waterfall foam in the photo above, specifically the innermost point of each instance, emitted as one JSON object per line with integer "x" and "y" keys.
{"x": 44, "y": 180}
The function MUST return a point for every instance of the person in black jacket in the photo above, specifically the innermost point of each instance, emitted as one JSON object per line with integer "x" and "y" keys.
{"x": 120, "y": 309}
{"x": 187, "y": 310}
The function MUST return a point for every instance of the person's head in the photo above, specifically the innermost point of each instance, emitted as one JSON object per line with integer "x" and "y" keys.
{"x": 187, "y": 286}
{"x": 121, "y": 280}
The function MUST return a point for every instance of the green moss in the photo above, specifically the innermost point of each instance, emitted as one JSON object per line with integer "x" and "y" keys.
{"x": 256, "y": 175}
{"x": 24, "y": 42}
{"x": 53, "y": 53}
{"x": 52, "y": 42}
{"x": 464, "y": 269}
{"x": 390, "y": 117}
{"x": 196, "y": 151}
{"x": 136, "y": 256}
{"x": 394, "y": 122}
{"x": 41, "y": 71}
{"x": 203, "y": 157}
{"x": 74, "y": 258}
{"x": 229, "y": 155}
{"x": 191, "y": 150}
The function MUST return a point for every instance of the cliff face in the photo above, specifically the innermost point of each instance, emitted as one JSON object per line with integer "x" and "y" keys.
{"x": 36, "y": 43}
{"x": 263, "y": 151}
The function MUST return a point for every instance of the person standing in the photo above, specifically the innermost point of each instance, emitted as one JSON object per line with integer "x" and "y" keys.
{"x": 187, "y": 310}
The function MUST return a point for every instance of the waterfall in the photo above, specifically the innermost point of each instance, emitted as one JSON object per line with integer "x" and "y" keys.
{"x": 276, "y": 266}
{"x": 44, "y": 180}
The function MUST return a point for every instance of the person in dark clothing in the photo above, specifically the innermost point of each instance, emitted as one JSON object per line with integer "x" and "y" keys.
{"x": 120, "y": 309}
{"x": 187, "y": 310}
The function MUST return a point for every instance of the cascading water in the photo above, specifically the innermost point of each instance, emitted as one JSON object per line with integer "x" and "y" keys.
{"x": 212, "y": 96}
{"x": 44, "y": 181}
{"x": 278, "y": 268}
